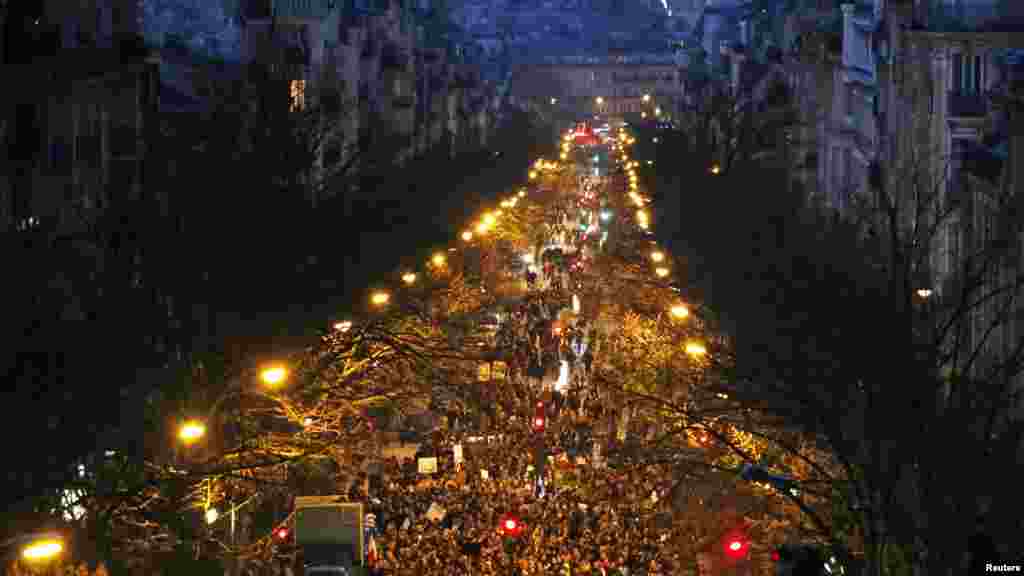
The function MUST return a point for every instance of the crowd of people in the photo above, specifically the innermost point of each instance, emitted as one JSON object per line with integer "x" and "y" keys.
{"x": 572, "y": 513}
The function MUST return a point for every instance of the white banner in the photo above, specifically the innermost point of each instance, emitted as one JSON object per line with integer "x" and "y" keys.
{"x": 428, "y": 465}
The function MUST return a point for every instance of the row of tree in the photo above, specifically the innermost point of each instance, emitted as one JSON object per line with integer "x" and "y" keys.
{"x": 221, "y": 256}
{"x": 839, "y": 328}
{"x": 160, "y": 501}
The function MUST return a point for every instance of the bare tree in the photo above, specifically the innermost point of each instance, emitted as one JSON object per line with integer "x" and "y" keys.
{"x": 865, "y": 328}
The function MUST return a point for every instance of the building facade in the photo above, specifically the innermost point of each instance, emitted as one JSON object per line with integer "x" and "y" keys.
{"x": 909, "y": 99}
{"x": 396, "y": 81}
{"x": 75, "y": 132}
{"x": 614, "y": 89}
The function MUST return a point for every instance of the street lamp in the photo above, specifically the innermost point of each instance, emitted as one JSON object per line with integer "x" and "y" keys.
{"x": 191, "y": 431}
{"x": 481, "y": 228}
{"x": 409, "y": 278}
{"x": 273, "y": 375}
{"x": 42, "y": 550}
{"x": 599, "y": 100}
{"x": 380, "y": 299}
{"x": 467, "y": 236}
{"x": 533, "y": 174}
{"x": 657, "y": 257}
{"x": 212, "y": 515}
{"x": 716, "y": 169}
{"x": 439, "y": 259}
{"x": 924, "y": 293}
{"x": 695, "y": 349}
{"x": 647, "y": 97}
{"x": 661, "y": 272}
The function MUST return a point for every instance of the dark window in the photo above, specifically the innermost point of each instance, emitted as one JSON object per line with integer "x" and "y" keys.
{"x": 60, "y": 156}
{"x": 122, "y": 140}
{"x": 258, "y": 9}
{"x": 122, "y": 176}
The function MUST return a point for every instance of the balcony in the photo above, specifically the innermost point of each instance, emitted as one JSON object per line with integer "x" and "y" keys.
{"x": 966, "y": 105}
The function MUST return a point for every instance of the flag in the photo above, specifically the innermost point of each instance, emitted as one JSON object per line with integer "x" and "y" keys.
{"x": 371, "y": 552}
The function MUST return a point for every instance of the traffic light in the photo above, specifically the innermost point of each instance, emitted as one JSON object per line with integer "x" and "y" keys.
{"x": 539, "y": 418}
{"x": 736, "y": 546}
{"x": 511, "y": 527}
{"x": 281, "y": 533}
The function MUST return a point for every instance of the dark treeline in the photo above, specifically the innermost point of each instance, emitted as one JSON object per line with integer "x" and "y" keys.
{"x": 213, "y": 260}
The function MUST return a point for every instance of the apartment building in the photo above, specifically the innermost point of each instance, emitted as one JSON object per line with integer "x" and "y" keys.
{"x": 74, "y": 133}
{"x": 616, "y": 89}
{"x": 912, "y": 97}
{"x": 396, "y": 76}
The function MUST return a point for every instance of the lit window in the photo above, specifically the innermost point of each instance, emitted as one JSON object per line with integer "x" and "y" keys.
{"x": 297, "y": 91}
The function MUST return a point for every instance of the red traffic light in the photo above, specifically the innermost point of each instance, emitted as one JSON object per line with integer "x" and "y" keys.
{"x": 776, "y": 556}
{"x": 511, "y": 526}
{"x": 281, "y": 533}
{"x": 736, "y": 547}
{"x": 538, "y": 418}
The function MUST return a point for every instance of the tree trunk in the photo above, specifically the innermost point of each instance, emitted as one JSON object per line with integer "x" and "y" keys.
{"x": 874, "y": 538}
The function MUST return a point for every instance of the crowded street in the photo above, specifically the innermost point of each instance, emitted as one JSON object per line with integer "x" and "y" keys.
{"x": 505, "y": 497}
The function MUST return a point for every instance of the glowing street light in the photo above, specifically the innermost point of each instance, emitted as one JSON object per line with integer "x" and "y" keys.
{"x": 42, "y": 550}
{"x": 661, "y": 272}
{"x": 409, "y": 278}
{"x": 533, "y": 174}
{"x": 647, "y": 97}
{"x": 716, "y": 169}
{"x": 439, "y": 260}
{"x": 273, "y": 375}
{"x": 343, "y": 326}
{"x": 191, "y": 431}
{"x": 680, "y": 311}
{"x": 212, "y": 515}
{"x": 599, "y": 100}
{"x": 467, "y": 236}
{"x": 481, "y": 229}
{"x": 522, "y": 193}
{"x": 695, "y": 349}
{"x": 657, "y": 257}
{"x": 380, "y": 298}
{"x": 924, "y": 293}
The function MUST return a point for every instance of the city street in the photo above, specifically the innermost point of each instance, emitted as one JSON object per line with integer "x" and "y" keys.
{"x": 549, "y": 431}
